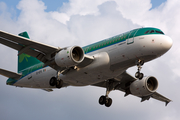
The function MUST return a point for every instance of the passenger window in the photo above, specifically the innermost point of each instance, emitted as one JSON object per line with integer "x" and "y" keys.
{"x": 152, "y": 31}
{"x": 146, "y": 32}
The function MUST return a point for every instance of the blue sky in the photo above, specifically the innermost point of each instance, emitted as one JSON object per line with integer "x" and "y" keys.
{"x": 82, "y": 22}
{"x": 53, "y": 5}
{"x": 156, "y": 3}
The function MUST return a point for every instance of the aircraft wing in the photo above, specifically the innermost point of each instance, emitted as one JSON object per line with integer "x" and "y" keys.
{"x": 10, "y": 74}
{"x": 44, "y": 53}
{"x": 122, "y": 83}
{"x": 38, "y": 50}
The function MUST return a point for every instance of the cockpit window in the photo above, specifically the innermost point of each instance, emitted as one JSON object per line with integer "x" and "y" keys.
{"x": 146, "y": 32}
{"x": 152, "y": 31}
{"x": 159, "y": 32}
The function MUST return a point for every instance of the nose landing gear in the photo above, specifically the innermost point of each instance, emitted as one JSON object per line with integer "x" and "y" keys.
{"x": 139, "y": 75}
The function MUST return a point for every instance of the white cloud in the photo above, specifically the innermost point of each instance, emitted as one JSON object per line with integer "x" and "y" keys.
{"x": 81, "y": 7}
{"x": 91, "y": 28}
{"x": 134, "y": 9}
{"x": 81, "y": 22}
{"x": 61, "y": 17}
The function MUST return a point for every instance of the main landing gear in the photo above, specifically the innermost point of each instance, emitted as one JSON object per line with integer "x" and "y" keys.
{"x": 55, "y": 82}
{"x": 139, "y": 75}
{"x": 105, "y": 100}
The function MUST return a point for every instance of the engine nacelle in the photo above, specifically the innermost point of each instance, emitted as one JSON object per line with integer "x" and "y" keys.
{"x": 69, "y": 57}
{"x": 144, "y": 87}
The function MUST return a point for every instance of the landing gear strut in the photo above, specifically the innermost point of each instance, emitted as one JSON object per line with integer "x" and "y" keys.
{"x": 105, "y": 100}
{"x": 139, "y": 75}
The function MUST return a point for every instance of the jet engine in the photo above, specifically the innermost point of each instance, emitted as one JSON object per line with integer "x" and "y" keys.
{"x": 146, "y": 86}
{"x": 69, "y": 56}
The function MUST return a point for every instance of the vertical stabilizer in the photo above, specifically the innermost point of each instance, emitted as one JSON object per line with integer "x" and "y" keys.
{"x": 24, "y": 60}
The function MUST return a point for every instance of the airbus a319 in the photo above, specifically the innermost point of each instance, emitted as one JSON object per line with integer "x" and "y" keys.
{"x": 101, "y": 64}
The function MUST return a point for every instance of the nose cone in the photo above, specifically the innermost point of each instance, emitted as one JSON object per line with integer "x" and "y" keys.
{"x": 163, "y": 45}
{"x": 166, "y": 43}
{"x": 160, "y": 44}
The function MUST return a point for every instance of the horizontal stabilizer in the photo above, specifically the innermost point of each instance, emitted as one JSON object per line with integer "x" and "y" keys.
{"x": 10, "y": 74}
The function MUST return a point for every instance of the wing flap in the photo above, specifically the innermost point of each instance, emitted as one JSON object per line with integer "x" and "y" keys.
{"x": 10, "y": 74}
{"x": 18, "y": 47}
{"x": 10, "y": 44}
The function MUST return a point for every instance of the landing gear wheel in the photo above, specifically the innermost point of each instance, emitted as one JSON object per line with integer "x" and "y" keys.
{"x": 102, "y": 100}
{"x": 53, "y": 81}
{"x": 141, "y": 75}
{"x": 108, "y": 102}
{"x": 59, "y": 84}
{"x": 137, "y": 74}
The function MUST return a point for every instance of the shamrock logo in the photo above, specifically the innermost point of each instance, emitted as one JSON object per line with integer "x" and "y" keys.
{"x": 23, "y": 56}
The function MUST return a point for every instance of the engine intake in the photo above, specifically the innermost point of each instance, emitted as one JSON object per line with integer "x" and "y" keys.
{"x": 144, "y": 87}
{"x": 69, "y": 57}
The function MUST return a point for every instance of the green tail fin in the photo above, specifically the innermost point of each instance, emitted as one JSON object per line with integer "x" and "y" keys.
{"x": 24, "y": 60}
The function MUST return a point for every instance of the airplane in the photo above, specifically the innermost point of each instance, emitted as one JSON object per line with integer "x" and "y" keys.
{"x": 101, "y": 64}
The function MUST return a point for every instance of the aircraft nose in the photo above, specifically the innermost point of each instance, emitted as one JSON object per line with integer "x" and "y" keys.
{"x": 167, "y": 43}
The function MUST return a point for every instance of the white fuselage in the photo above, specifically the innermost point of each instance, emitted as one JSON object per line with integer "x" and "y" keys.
{"x": 108, "y": 63}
